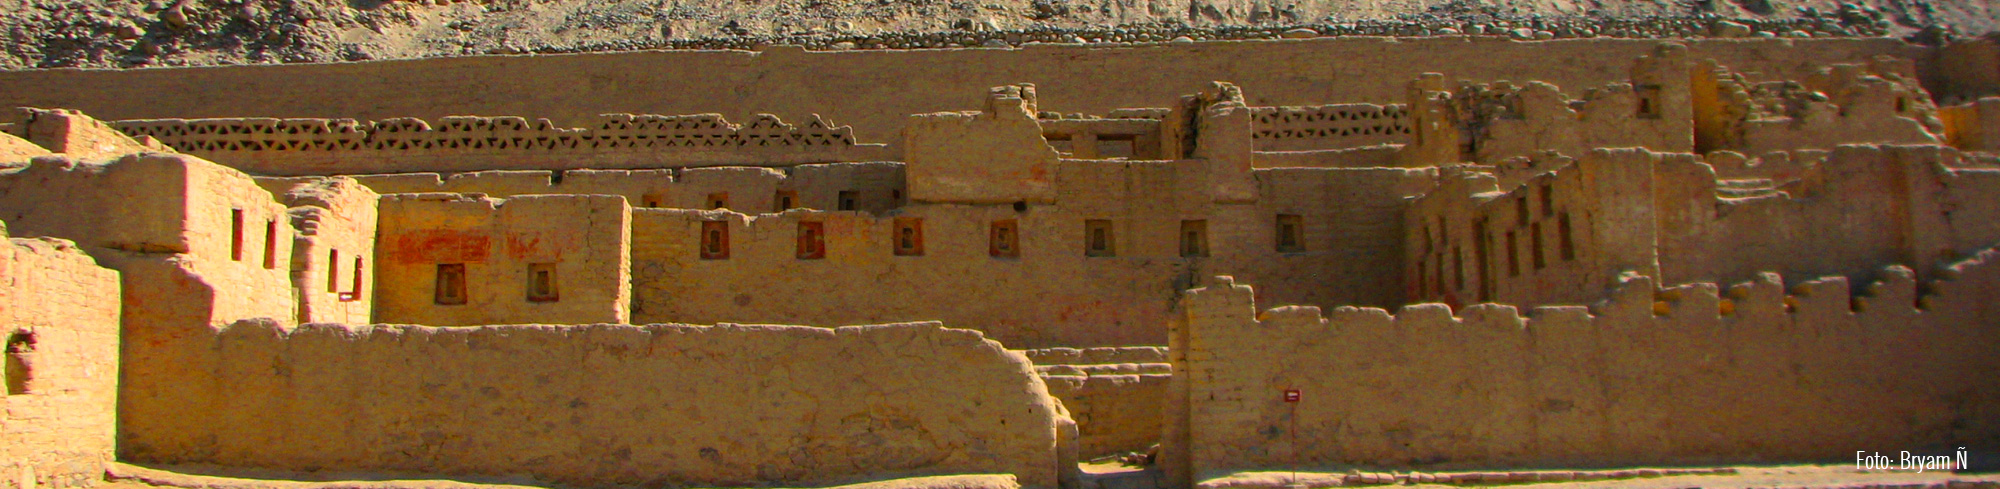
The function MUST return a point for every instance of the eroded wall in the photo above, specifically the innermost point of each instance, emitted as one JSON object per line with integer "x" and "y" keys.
{"x": 60, "y": 371}
{"x": 1692, "y": 375}
{"x": 577, "y": 246}
{"x": 1861, "y": 208}
{"x": 603, "y": 405}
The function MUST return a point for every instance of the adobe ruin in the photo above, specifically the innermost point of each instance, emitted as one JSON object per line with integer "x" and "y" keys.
{"x": 1680, "y": 253}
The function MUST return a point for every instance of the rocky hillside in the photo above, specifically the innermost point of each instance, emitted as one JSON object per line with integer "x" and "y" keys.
{"x": 130, "y": 33}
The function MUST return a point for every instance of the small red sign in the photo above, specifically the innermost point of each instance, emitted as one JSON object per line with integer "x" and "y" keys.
{"x": 1291, "y": 395}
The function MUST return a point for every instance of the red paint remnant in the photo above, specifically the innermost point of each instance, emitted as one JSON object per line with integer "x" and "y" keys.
{"x": 440, "y": 246}
{"x": 524, "y": 246}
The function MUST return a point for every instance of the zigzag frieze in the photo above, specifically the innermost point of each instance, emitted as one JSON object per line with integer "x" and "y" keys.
{"x": 612, "y": 132}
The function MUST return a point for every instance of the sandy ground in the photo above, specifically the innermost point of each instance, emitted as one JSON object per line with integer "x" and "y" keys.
{"x": 1117, "y": 477}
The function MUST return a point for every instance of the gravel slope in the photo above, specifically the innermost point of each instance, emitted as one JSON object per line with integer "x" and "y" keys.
{"x": 128, "y": 33}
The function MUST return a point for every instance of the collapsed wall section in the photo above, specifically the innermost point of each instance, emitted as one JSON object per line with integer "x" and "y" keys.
{"x": 60, "y": 371}
{"x": 1115, "y": 394}
{"x": 1858, "y": 209}
{"x": 662, "y": 405}
{"x": 1693, "y": 375}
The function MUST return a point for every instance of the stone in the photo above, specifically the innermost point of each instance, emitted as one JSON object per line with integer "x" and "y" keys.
{"x": 1300, "y": 33}
{"x": 1727, "y": 29}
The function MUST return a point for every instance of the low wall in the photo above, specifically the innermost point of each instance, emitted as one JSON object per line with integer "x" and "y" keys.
{"x": 1693, "y": 375}
{"x": 603, "y": 405}
{"x": 60, "y": 373}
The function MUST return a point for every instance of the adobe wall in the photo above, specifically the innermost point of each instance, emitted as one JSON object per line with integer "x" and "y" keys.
{"x": 1351, "y": 219}
{"x": 1561, "y": 236}
{"x": 60, "y": 376}
{"x": 166, "y": 223}
{"x": 163, "y": 205}
{"x": 583, "y": 239}
{"x": 662, "y": 405}
{"x": 1693, "y": 375}
{"x": 874, "y": 90}
{"x": 333, "y": 255}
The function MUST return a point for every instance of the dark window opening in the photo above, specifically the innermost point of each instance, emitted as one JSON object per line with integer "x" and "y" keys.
{"x": 786, "y": 199}
{"x": 714, "y": 240}
{"x": 1291, "y": 233}
{"x": 1457, "y": 270}
{"x": 20, "y": 362}
{"x": 1567, "y": 247}
{"x": 1482, "y": 253}
{"x": 1437, "y": 278}
{"x": 1649, "y": 101}
{"x": 812, "y": 240}
{"x": 1548, "y": 198}
{"x": 355, "y": 294}
{"x": 236, "y": 234}
{"x": 1004, "y": 239}
{"x": 333, "y": 271}
{"x": 1423, "y": 277}
{"x": 1194, "y": 238}
{"x": 450, "y": 284}
{"x": 909, "y": 239}
{"x": 847, "y": 200}
{"x": 542, "y": 283}
{"x": 719, "y": 200}
{"x": 1521, "y": 209}
{"x": 1098, "y": 240}
{"x": 270, "y": 244}
{"x": 1513, "y": 256}
{"x": 896, "y": 195}
{"x": 1535, "y": 242}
